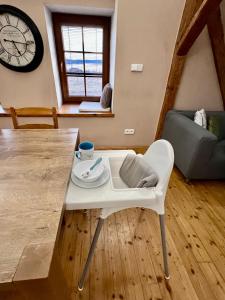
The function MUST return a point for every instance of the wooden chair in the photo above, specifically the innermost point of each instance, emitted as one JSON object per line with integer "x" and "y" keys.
{"x": 34, "y": 112}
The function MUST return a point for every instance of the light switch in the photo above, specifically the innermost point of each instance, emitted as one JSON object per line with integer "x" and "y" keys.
{"x": 133, "y": 67}
{"x": 136, "y": 67}
{"x": 140, "y": 67}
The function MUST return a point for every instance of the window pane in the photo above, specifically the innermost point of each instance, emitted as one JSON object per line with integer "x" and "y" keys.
{"x": 93, "y": 39}
{"x": 93, "y": 63}
{"x": 76, "y": 86}
{"x": 74, "y": 62}
{"x": 72, "y": 38}
{"x": 94, "y": 86}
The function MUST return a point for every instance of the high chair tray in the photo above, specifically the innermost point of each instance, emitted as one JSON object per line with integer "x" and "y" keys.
{"x": 114, "y": 193}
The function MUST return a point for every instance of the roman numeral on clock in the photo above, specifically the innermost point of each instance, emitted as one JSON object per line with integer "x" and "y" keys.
{"x": 30, "y": 42}
{"x": 30, "y": 52}
{"x": 9, "y": 58}
{"x": 18, "y": 61}
{"x": 24, "y": 32}
{"x": 2, "y": 50}
{"x": 25, "y": 57}
{"x": 7, "y": 19}
{"x": 1, "y": 24}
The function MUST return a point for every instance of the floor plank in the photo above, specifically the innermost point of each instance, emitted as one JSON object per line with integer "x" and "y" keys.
{"x": 128, "y": 259}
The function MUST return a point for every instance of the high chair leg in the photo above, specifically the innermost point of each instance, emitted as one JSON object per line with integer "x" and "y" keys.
{"x": 90, "y": 254}
{"x": 163, "y": 238}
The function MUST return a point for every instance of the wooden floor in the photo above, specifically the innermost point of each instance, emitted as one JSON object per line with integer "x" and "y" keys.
{"x": 128, "y": 261}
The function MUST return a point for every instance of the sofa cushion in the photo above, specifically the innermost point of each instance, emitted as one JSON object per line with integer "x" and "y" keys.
{"x": 216, "y": 125}
{"x": 200, "y": 118}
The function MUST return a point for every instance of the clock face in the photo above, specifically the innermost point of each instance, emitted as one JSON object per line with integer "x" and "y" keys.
{"x": 17, "y": 43}
{"x": 21, "y": 45}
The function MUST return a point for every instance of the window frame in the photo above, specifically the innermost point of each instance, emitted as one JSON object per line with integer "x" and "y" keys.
{"x": 60, "y": 19}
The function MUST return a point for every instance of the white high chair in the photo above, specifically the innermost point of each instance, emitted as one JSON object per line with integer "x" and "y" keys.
{"x": 112, "y": 199}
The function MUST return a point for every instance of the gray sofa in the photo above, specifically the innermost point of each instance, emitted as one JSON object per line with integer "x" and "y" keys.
{"x": 198, "y": 153}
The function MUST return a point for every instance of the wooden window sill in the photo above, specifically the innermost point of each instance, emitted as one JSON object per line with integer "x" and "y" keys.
{"x": 4, "y": 112}
{"x": 72, "y": 110}
{"x": 66, "y": 111}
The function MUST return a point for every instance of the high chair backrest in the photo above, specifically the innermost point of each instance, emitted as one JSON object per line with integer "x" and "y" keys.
{"x": 34, "y": 112}
{"x": 160, "y": 156}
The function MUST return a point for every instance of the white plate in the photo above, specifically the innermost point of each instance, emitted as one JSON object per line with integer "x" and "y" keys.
{"x": 90, "y": 185}
{"x": 84, "y": 166}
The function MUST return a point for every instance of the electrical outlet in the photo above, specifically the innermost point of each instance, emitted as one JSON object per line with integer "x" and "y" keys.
{"x": 129, "y": 131}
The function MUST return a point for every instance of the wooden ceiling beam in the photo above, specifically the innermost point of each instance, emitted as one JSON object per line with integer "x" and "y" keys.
{"x": 196, "y": 25}
{"x": 177, "y": 66}
{"x": 216, "y": 35}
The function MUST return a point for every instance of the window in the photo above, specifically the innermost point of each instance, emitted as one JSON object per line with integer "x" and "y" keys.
{"x": 82, "y": 45}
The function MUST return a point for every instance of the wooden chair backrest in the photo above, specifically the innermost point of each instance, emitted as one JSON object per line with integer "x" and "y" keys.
{"x": 34, "y": 112}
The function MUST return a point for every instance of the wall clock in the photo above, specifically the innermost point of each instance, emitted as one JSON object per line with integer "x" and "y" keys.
{"x": 21, "y": 45}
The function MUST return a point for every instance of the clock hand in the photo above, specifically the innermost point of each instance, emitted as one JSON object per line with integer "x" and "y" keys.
{"x": 23, "y": 43}
{"x": 14, "y": 43}
{"x": 5, "y": 40}
{"x": 16, "y": 47}
{"x": 11, "y": 41}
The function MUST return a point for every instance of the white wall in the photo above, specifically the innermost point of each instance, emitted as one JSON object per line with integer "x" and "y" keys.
{"x": 199, "y": 86}
{"x": 146, "y": 33}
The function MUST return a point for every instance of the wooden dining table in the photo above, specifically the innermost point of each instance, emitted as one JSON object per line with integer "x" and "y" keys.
{"x": 35, "y": 167}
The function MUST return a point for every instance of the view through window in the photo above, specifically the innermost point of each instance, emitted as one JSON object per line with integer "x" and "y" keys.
{"x": 83, "y": 55}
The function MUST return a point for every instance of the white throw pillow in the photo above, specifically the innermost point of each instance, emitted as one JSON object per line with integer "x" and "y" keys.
{"x": 200, "y": 118}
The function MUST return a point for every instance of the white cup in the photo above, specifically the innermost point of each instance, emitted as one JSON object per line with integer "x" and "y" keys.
{"x": 86, "y": 151}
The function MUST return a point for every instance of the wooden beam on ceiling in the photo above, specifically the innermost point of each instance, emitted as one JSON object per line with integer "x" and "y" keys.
{"x": 177, "y": 66}
{"x": 216, "y": 34}
{"x": 196, "y": 25}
